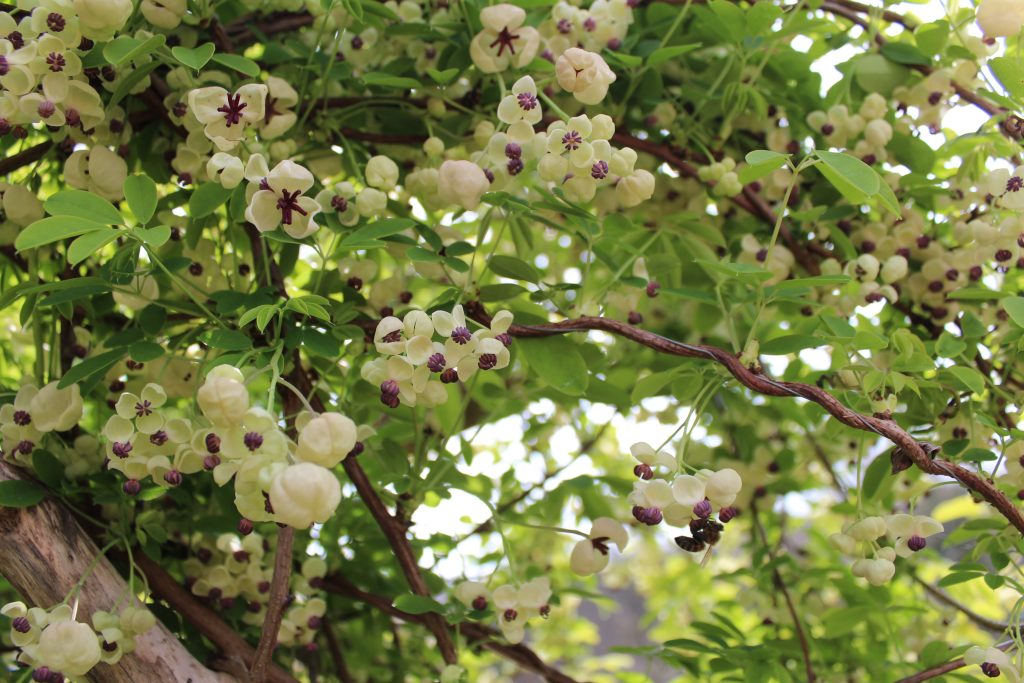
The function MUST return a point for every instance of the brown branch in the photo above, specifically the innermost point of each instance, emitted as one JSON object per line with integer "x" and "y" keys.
{"x": 474, "y": 632}
{"x": 946, "y": 599}
{"x": 206, "y": 621}
{"x": 340, "y": 667}
{"x": 275, "y": 605}
{"x": 763, "y": 384}
{"x": 938, "y": 670}
{"x": 801, "y": 636}
{"x": 24, "y": 157}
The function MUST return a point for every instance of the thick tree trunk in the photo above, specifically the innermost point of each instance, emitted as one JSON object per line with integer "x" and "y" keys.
{"x": 45, "y": 552}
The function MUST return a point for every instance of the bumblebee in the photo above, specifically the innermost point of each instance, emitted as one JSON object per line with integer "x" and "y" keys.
{"x": 704, "y": 533}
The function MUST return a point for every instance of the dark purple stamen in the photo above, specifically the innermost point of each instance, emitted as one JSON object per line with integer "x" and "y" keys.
{"x": 55, "y": 22}
{"x": 487, "y": 361}
{"x": 702, "y": 509}
{"x": 21, "y": 625}
{"x": 288, "y": 202}
{"x": 47, "y": 109}
{"x": 21, "y": 418}
{"x": 461, "y": 335}
{"x": 253, "y": 440}
{"x": 17, "y": 40}
{"x": 599, "y": 171}
{"x": 56, "y": 61}
{"x": 1014, "y": 184}
{"x": 449, "y": 376}
{"x": 572, "y": 140}
{"x": 4, "y": 67}
{"x": 339, "y": 203}
{"x": 514, "y": 166}
{"x": 121, "y": 448}
{"x": 233, "y": 109}
{"x": 158, "y": 438}
{"x": 392, "y": 337}
{"x": 143, "y": 408}
{"x": 505, "y": 338}
{"x": 212, "y": 443}
{"x": 916, "y": 543}
{"x": 173, "y": 478}
{"x": 210, "y": 462}
{"x": 564, "y": 26}
{"x": 513, "y": 151}
{"x": 131, "y": 487}
{"x": 436, "y": 362}
{"x": 504, "y": 39}
{"x": 589, "y": 25}
{"x": 527, "y": 101}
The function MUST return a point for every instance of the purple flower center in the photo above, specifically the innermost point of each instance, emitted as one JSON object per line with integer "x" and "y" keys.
{"x": 17, "y": 40}
{"x": 916, "y": 543}
{"x": 173, "y": 478}
{"x": 461, "y": 335}
{"x": 504, "y": 39}
{"x": 158, "y": 438}
{"x": 339, "y": 203}
{"x": 73, "y": 120}
{"x": 513, "y": 151}
{"x": 389, "y": 388}
{"x": 24, "y": 447}
{"x": 564, "y": 26}
{"x": 121, "y": 448}
{"x": 505, "y": 338}
{"x": 357, "y": 43}
{"x": 599, "y": 171}
{"x": 479, "y": 603}
{"x": 210, "y": 462}
{"x": 4, "y": 68}
{"x": 600, "y": 544}
{"x": 436, "y": 362}
{"x": 288, "y": 202}
{"x": 233, "y": 109}
{"x": 527, "y": 100}
{"x": 572, "y": 140}
{"x": 56, "y": 61}
{"x": 55, "y": 22}
{"x": 510, "y": 614}
{"x": 144, "y": 408}
{"x": 514, "y": 166}
{"x": 21, "y": 418}
{"x": 1014, "y": 184}
{"x": 252, "y": 440}
{"x": 212, "y": 443}
{"x": 47, "y": 109}
{"x": 392, "y": 337}
{"x": 21, "y": 625}
{"x": 589, "y": 25}
{"x": 487, "y": 361}
{"x": 702, "y": 509}
{"x": 449, "y": 376}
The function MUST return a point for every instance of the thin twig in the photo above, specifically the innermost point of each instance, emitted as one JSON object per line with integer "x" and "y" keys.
{"x": 946, "y": 599}
{"x": 939, "y": 669}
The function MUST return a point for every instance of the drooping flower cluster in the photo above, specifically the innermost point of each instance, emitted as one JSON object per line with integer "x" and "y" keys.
{"x": 412, "y": 356}
{"x": 875, "y": 562}
{"x": 58, "y": 646}
{"x": 513, "y": 604}
{"x": 33, "y": 414}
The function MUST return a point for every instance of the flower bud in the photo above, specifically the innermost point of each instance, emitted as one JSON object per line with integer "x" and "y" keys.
{"x": 305, "y": 494}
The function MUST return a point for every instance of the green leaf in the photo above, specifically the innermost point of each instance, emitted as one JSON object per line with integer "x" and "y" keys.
{"x": 500, "y": 292}
{"x": 238, "y": 63}
{"x": 124, "y": 48}
{"x": 558, "y": 362}
{"x": 145, "y": 351}
{"x": 761, "y": 162}
{"x": 975, "y": 294}
{"x": 904, "y": 53}
{"x": 664, "y": 54}
{"x": 1014, "y": 307}
{"x": 156, "y": 236}
{"x": 53, "y": 229}
{"x": 443, "y": 77}
{"x": 391, "y": 81}
{"x": 854, "y": 179}
{"x": 417, "y": 604}
{"x": 368, "y": 237}
{"x": 90, "y": 366}
{"x": 140, "y": 191}
{"x": 227, "y": 340}
{"x": 967, "y": 378}
{"x": 206, "y": 199}
{"x": 1010, "y": 72}
{"x": 792, "y": 343}
{"x": 874, "y": 475}
{"x": 512, "y": 267}
{"x": 194, "y": 58}
{"x": 133, "y": 78}
{"x": 88, "y": 244}
{"x": 958, "y": 577}
{"x": 48, "y": 468}
{"x": 83, "y": 204}
{"x": 19, "y": 494}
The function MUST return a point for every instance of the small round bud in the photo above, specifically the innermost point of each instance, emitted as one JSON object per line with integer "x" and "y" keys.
{"x": 479, "y": 603}
{"x": 131, "y": 487}
{"x": 173, "y": 478}
{"x": 643, "y": 471}
{"x": 245, "y": 526}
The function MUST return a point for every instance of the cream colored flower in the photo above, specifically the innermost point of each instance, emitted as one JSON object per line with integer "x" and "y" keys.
{"x": 326, "y": 439}
{"x": 590, "y": 555}
{"x": 278, "y": 117}
{"x": 304, "y": 494}
{"x": 101, "y": 19}
{"x": 381, "y": 173}
{"x": 223, "y": 397}
{"x": 504, "y": 42}
{"x": 56, "y": 410}
{"x": 585, "y": 74}
{"x": 999, "y": 18}
{"x": 67, "y": 646}
{"x": 279, "y": 201}
{"x": 521, "y": 110}
{"x": 462, "y": 183}
{"x": 165, "y": 14}
{"x": 225, "y": 169}
{"x": 97, "y": 170}
{"x": 225, "y": 115}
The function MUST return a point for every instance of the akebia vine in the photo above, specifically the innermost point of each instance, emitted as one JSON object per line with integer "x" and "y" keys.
{"x": 437, "y": 340}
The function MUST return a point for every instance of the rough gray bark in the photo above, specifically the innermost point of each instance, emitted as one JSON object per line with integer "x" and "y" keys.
{"x": 45, "y": 552}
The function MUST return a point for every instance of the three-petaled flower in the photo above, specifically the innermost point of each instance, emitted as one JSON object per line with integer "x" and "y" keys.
{"x": 504, "y": 42}
{"x": 226, "y": 115}
{"x": 279, "y": 201}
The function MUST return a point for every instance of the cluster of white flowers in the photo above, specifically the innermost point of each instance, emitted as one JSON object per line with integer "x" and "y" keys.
{"x": 602, "y": 25}
{"x": 33, "y": 414}
{"x": 230, "y": 568}
{"x": 686, "y": 497}
{"x": 590, "y": 555}
{"x": 58, "y": 646}
{"x": 235, "y": 440}
{"x": 412, "y": 357}
{"x": 874, "y": 562}
{"x": 513, "y": 605}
